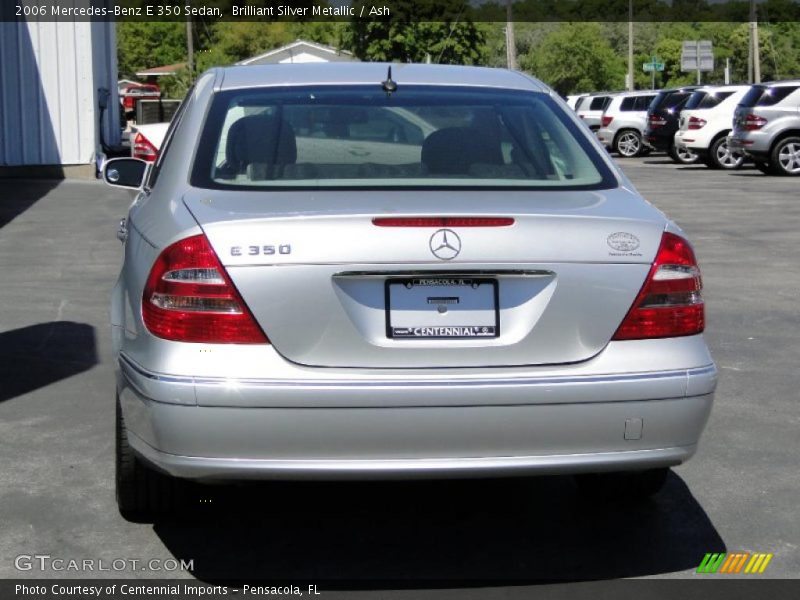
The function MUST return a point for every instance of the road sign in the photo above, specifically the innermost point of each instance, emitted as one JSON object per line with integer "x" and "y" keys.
{"x": 652, "y": 66}
{"x": 697, "y": 56}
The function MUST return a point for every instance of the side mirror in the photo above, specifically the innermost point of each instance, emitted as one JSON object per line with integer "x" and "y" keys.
{"x": 125, "y": 172}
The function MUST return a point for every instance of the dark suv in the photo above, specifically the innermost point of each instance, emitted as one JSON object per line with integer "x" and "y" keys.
{"x": 662, "y": 123}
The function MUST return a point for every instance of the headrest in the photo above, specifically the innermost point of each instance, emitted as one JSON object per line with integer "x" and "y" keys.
{"x": 260, "y": 139}
{"x": 453, "y": 150}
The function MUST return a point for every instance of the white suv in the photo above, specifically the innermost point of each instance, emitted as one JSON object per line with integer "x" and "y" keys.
{"x": 590, "y": 109}
{"x": 705, "y": 122}
{"x": 623, "y": 122}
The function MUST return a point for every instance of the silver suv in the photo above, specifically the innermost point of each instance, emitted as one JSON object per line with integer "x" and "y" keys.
{"x": 623, "y": 122}
{"x": 766, "y": 127}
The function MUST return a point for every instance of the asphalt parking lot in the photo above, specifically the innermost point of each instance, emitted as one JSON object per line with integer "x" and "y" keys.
{"x": 59, "y": 259}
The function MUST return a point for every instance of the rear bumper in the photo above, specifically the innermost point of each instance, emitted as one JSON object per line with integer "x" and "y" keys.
{"x": 545, "y": 425}
{"x": 658, "y": 139}
{"x": 696, "y": 141}
{"x": 753, "y": 143}
{"x": 605, "y": 136}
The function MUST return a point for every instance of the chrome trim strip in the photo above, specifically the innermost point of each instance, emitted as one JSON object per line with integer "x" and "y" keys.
{"x": 243, "y": 468}
{"x": 444, "y": 273}
{"x": 378, "y": 383}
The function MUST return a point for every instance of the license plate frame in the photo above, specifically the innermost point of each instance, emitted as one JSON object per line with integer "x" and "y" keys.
{"x": 447, "y": 290}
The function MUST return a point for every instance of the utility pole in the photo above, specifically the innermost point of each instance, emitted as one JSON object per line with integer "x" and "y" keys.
{"x": 511, "y": 42}
{"x": 189, "y": 46}
{"x": 755, "y": 50}
{"x": 630, "y": 46}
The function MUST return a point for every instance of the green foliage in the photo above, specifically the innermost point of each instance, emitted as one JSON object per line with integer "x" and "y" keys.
{"x": 235, "y": 41}
{"x": 418, "y": 33}
{"x": 571, "y": 57}
{"x": 576, "y": 58}
{"x": 775, "y": 64}
{"x": 176, "y": 86}
{"x": 147, "y": 44}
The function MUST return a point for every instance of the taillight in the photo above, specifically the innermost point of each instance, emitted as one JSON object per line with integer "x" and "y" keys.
{"x": 696, "y": 123}
{"x": 189, "y": 298}
{"x": 656, "y": 121}
{"x": 144, "y": 148}
{"x": 754, "y": 122}
{"x": 606, "y": 121}
{"x": 670, "y": 303}
{"x": 443, "y": 221}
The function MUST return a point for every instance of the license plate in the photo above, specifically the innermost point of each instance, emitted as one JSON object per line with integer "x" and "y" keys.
{"x": 442, "y": 308}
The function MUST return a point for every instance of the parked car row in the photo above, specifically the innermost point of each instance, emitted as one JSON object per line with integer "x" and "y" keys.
{"x": 721, "y": 126}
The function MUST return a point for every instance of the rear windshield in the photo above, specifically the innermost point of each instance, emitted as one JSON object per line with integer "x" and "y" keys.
{"x": 670, "y": 100}
{"x": 635, "y": 103}
{"x": 600, "y": 103}
{"x": 759, "y": 95}
{"x": 419, "y": 136}
{"x": 702, "y": 99}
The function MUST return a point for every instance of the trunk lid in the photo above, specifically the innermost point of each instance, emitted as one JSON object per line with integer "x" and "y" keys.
{"x": 313, "y": 269}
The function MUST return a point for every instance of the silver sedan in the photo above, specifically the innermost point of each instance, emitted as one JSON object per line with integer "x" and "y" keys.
{"x": 373, "y": 271}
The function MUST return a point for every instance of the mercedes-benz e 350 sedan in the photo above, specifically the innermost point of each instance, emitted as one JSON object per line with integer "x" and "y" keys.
{"x": 340, "y": 271}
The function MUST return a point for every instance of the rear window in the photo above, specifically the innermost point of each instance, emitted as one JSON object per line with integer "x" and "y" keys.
{"x": 643, "y": 102}
{"x": 670, "y": 100}
{"x": 766, "y": 96}
{"x": 706, "y": 99}
{"x": 419, "y": 136}
{"x": 636, "y": 103}
{"x": 600, "y": 103}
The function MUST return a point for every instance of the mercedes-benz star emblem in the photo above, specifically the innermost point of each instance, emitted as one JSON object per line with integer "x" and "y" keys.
{"x": 445, "y": 244}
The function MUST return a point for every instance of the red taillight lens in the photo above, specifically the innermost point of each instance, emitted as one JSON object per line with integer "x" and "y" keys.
{"x": 443, "y": 221}
{"x": 606, "y": 121}
{"x": 696, "y": 123}
{"x": 144, "y": 149}
{"x": 754, "y": 122}
{"x": 189, "y": 298}
{"x": 670, "y": 303}
{"x": 656, "y": 121}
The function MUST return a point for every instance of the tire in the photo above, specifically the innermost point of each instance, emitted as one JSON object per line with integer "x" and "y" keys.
{"x": 142, "y": 493}
{"x": 630, "y": 486}
{"x": 682, "y": 156}
{"x": 786, "y": 157}
{"x": 628, "y": 143}
{"x": 721, "y": 157}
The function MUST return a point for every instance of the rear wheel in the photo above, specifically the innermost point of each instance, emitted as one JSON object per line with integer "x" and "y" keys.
{"x": 682, "y": 155}
{"x": 142, "y": 493}
{"x": 628, "y": 143}
{"x": 786, "y": 157}
{"x": 720, "y": 155}
{"x": 631, "y": 486}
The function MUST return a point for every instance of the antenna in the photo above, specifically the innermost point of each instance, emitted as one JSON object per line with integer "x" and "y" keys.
{"x": 389, "y": 85}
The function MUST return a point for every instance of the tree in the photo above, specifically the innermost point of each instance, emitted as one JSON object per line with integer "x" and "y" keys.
{"x": 669, "y": 51}
{"x": 417, "y": 33}
{"x": 576, "y": 58}
{"x": 146, "y": 44}
{"x": 774, "y": 65}
{"x": 235, "y": 41}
